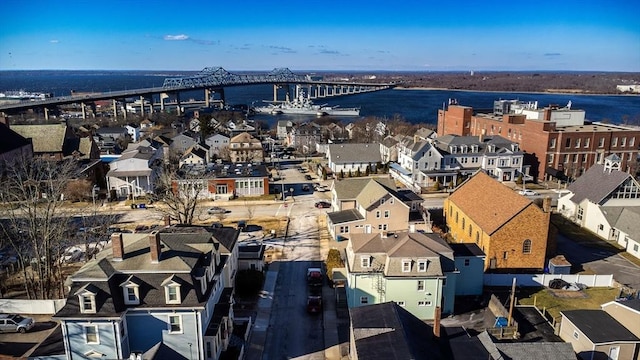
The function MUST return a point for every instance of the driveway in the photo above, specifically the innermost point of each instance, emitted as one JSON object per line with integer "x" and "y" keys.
{"x": 600, "y": 262}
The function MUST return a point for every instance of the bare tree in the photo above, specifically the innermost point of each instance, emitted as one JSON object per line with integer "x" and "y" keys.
{"x": 251, "y": 210}
{"x": 36, "y": 223}
{"x": 179, "y": 193}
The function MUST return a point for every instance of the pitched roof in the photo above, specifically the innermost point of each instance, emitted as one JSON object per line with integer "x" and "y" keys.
{"x": 599, "y": 326}
{"x": 344, "y": 216}
{"x": 11, "y": 140}
{"x": 527, "y": 350}
{"x": 487, "y": 202}
{"x": 348, "y": 189}
{"x": 596, "y": 184}
{"x": 48, "y": 138}
{"x": 354, "y": 153}
{"x": 624, "y": 218}
{"x": 387, "y": 331}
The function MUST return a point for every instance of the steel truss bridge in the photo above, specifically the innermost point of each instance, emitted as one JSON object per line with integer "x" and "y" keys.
{"x": 209, "y": 79}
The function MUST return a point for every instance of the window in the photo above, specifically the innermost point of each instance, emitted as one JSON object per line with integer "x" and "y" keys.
{"x": 91, "y": 334}
{"x": 463, "y": 223}
{"x": 344, "y": 229}
{"x": 470, "y": 229}
{"x": 208, "y": 349}
{"x": 365, "y": 261}
{"x": 632, "y": 141}
{"x": 386, "y": 213}
{"x": 601, "y": 142}
{"x": 578, "y": 142}
{"x": 400, "y": 303}
{"x": 600, "y": 227}
{"x": 175, "y": 324}
{"x": 422, "y": 265}
{"x": 424, "y": 303}
{"x": 576, "y": 335}
{"x": 87, "y": 303}
{"x": 526, "y": 247}
{"x": 382, "y": 201}
{"x": 567, "y": 143}
{"x": 623, "y": 142}
{"x": 131, "y": 295}
{"x": 364, "y": 299}
{"x": 552, "y": 144}
{"x": 172, "y": 294}
{"x": 586, "y": 142}
{"x": 466, "y": 262}
{"x": 420, "y": 285}
{"x": 614, "y": 142}
{"x": 377, "y": 214}
{"x": 406, "y": 265}
{"x": 505, "y": 255}
{"x": 477, "y": 236}
{"x": 444, "y": 281}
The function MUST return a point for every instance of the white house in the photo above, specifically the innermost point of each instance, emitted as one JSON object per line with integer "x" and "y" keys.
{"x": 135, "y": 172}
{"x": 353, "y": 157}
{"x": 216, "y": 143}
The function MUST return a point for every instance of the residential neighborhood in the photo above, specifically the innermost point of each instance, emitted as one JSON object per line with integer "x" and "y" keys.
{"x": 191, "y": 240}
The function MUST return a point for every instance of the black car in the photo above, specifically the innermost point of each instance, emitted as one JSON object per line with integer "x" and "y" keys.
{"x": 322, "y": 205}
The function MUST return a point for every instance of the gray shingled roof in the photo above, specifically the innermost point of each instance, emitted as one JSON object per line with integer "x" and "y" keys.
{"x": 354, "y": 153}
{"x": 47, "y": 138}
{"x": 596, "y": 184}
{"x": 348, "y": 189}
{"x": 599, "y": 326}
{"x": 624, "y": 218}
{"x": 527, "y": 350}
{"x": 344, "y": 216}
{"x": 388, "y": 332}
{"x": 11, "y": 140}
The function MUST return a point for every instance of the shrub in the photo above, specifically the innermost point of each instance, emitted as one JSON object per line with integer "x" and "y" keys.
{"x": 334, "y": 260}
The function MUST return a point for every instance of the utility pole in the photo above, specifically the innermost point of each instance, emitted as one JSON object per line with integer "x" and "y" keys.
{"x": 513, "y": 298}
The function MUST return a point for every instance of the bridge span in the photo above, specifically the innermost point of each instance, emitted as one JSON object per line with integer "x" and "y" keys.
{"x": 211, "y": 80}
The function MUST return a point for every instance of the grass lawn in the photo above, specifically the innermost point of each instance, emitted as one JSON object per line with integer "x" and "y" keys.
{"x": 555, "y": 301}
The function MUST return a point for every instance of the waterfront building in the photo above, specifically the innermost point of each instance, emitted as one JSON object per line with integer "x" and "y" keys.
{"x": 558, "y": 141}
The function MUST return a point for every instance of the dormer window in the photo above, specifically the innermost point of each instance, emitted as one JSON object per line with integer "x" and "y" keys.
{"x": 131, "y": 291}
{"x": 172, "y": 293}
{"x": 422, "y": 265}
{"x": 87, "y": 299}
{"x": 365, "y": 261}
{"x": 406, "y": 265}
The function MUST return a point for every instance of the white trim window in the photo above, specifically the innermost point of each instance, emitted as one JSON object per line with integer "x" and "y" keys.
{"x": 91, "y": 335}
{"x": 406, "y": 265}
{"x": 401, "y": 303}
{"x": 175, "y": 324}
{"x": 420, "y": 285}
{"x": 87, "y": 303}
{"x": 365, "y": 261}
{"x": 422, "y": 265}
{"x": 172, "y": 293}
{"x": 424, "y": 303}
{"x": 364, "y": 299}
{"x": 131, "y": 294}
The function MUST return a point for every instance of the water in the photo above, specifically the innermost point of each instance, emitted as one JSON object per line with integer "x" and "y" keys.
{"x": 415, "y": 106}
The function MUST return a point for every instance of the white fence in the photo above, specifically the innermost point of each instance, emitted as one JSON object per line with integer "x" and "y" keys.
{"x": 544, "y": 279}
{"x": 34, "y": 307}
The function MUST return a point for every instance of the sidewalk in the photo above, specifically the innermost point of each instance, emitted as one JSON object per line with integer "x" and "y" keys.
{"x": 261, "y": 325}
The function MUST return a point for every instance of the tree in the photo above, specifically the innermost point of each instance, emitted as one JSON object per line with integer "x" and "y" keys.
{"x": 206, "y": 128}
{"x": 179, "y": 195}
{"x": 36, "y": 223}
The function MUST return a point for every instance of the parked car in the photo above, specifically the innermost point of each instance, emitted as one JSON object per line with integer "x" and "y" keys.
{"x": 314, "y": 304}
{"x": 216, "y": 210}
{"x": 528, "y": 192}
{"x": 322, "y": 205}
{"x": 314, "y": 277}
{"x": 15, "y": 323}
{"x": 308, "y": 177}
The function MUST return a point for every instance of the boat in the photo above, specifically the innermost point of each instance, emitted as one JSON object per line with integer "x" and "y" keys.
{"x": 23, "y": 95}
{"x": 302, "y": 105}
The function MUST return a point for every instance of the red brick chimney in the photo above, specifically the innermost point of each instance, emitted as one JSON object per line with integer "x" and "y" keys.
{"x": 167, "y": 220}
{"x": 117, "y": 246}
{"x": 436, "y": 321}
{"x": 154, "y": 246}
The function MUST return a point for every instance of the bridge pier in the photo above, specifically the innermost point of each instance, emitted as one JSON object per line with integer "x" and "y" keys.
{"x": 178, "y": 109}
{"x": 141, "y": 105}
{"x": 162, "y": 97}
{"x": 84, "y": 111}
{"x": 46, "y": 113}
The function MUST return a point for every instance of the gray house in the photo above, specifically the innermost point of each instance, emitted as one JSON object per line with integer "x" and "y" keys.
{"x": 163, "y": 295}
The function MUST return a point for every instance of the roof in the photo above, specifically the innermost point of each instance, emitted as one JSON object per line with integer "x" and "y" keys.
{"x": 633, "y": 304}
{"x": 354, "y": 153}
{"x": 599, "y": 326}
{"x": 527, "y": 350}
{"x": 348, "y": 189}
{"x": 244, "y": 137}
{"x": 388, "y": 332}
{"x": 462, "y": 345}
{"x": 487, "y": 202}
{"x": 47, "y": 138}
{"x": 596, "y": 184}
{"x": 11, "y": 140}
{"x": 344, "y": 216}
{"x": 466, "y": 249}
{"x": 624, "y": 218}
{"x": 392, "y": 249}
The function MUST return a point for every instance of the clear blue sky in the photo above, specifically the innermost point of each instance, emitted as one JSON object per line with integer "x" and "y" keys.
{"x": 320, "y": 35}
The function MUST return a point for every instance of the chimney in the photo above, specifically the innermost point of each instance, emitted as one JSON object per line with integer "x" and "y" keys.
{"x": 167, "y": 220}
{"x": 436, "y": 321}
{"x": 481, "y": 136}
{"x": 154, "y": 247}
{"x": 117, "y": 246}
{"x": 546, "y": 204}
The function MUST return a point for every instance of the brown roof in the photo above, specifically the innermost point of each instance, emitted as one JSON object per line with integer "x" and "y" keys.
{"x": 47, "y": 138}
{"x": 487, "y": 202}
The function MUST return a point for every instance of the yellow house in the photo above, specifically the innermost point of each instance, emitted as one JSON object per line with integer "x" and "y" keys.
{"x": 510, "y": 229}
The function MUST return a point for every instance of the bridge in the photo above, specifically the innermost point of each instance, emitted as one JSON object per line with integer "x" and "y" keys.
{"x": 211, "y": 80}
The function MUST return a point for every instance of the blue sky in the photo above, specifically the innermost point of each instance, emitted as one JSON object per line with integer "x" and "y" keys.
{"x": 320, "y": 35}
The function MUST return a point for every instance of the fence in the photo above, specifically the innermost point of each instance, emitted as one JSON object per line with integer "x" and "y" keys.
{"x": 31, "y": 306}
{"x": 535, "y": 280}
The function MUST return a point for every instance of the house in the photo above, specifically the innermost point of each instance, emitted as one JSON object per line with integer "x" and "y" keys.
{"x": 183, "y": 141}
{"x": 195, "y": 156}
{"x": 305, "y": 137}
{"x": 596, "y": 335}
{"x": 13, "y": 147}
{"x": 626, "y": 312}
{"x": 134, "y": 131}
{"x": 373, "y": 205}
{"x": 50, "y": 141}
{"x": 251, "y": 257}
{"x": 388, "y": 148}
{"x": 469, "y": 261}
{"x": 146, "y": 124}
{"x": 353, "y": 158}
{"x": 606, "y": 201}
{"x": 167, "y": 294}
{"x": 113, "y": 132}
{"x": 135, "y": 172}
{"x": 217, "y": 142}
{"x": 245, "y": 148}
{"x": 235, "y": 129}
{"x": 283, "y": 127}
{"x": 415, "y": 270}
{"x": 224, "y": 181}
{"x": 388, "y": 331}
{"x": 509, "y": 228}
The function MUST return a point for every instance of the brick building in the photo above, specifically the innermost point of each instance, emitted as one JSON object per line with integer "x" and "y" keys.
{"x": 510, "y": 229}
{"x": 558, "y": 141}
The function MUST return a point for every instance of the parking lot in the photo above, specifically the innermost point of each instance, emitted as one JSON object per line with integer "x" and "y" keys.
{"x": 19, "y": 345}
